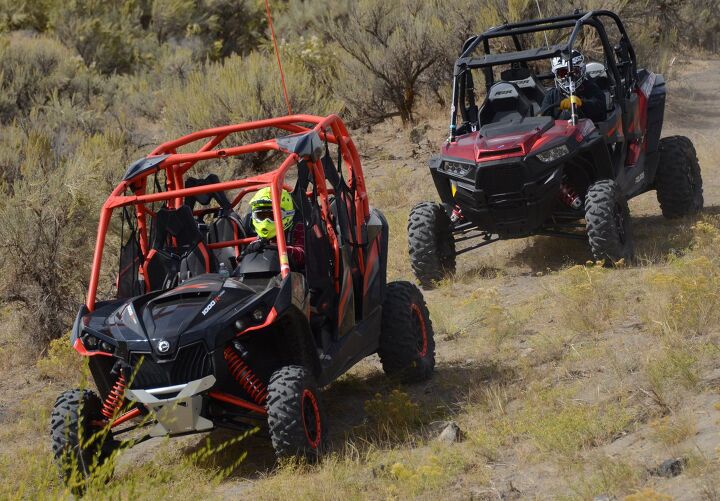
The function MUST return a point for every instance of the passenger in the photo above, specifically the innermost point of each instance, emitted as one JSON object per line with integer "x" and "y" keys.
{"x": 263, "y": 222}
{"x": 589, "y": 98}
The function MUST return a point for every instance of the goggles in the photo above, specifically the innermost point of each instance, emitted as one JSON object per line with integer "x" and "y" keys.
{"x": 575, "y": 74}
{"x": 266, "y": 214}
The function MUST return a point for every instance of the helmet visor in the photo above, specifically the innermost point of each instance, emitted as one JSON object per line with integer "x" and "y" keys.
{"x": 563, "y": 73}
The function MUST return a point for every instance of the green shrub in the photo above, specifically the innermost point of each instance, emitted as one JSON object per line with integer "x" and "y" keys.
{"x": 171, "y": 18}
{"x": 43, "y": 232}
{"x": 228, "y": 27}
{"x": 63, "y": 364}
{"x": 389, "y": 49}
{"x": 238, "y": 90}
{"x": 108, "y": 35}
{"x": 50, "y": 210}
{"x": 36, "y": 69}
{"x": 26, "y": 15}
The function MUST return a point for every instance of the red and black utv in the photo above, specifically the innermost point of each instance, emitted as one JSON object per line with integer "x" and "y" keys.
{"x": 509, "y": 171}
{"x": 202, "y": 333}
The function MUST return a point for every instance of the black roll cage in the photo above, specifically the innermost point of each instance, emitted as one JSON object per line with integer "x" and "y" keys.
{"x": 462, "y": 78}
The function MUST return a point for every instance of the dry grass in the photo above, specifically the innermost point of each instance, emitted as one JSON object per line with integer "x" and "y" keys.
{"x": 674, "y": 429}
{"x": 545, "y": 374}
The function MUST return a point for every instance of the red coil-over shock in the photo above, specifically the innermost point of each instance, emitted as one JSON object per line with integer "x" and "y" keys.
{"x": 570, "y": 197}
{"x": 245, "y": 376}
{"x": 114, "y": 400}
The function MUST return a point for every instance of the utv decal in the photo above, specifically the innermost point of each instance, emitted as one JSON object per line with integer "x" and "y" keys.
{"x": 212, "y": 303}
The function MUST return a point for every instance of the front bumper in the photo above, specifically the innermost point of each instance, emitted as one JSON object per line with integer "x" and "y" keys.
{"x": 511, "y": 198}
{"x": 176, "y": 408}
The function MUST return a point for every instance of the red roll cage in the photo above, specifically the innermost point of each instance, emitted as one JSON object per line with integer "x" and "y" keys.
{"x": 320, "y": 132}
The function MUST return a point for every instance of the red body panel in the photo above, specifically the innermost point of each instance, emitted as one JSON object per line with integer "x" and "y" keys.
{"x": 638, "y": 126}
{"x": 476, "y": 148}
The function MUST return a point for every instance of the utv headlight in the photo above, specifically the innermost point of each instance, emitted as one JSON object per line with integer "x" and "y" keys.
{"x": 258, "y": 315}
{"x": 92, "y": 343}
{"x": 456, "y": 168}
{"x": 553, "y": 154}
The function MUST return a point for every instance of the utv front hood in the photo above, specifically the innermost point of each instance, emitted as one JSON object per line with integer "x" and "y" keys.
{"x": 202, "y": 310}
{"x": 198, "y": 310}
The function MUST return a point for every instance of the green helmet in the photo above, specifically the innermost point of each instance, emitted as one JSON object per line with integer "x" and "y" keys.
{"x": 262, "y": 213}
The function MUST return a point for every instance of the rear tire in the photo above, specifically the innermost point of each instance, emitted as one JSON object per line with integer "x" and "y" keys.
{"x": 678, "y": 180}
{"x": 607, "y": 219}
{"x": 407, "y": 346}
{"x": 431, "y": 244}
{"x": 79, "y": 446}
{"x": 295, "y": 416}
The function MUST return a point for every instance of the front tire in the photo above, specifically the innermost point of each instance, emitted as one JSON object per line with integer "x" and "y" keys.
{"x": 678, "y": 180}
{"x": 79, "y": 445}
{"x": 607, "y": 218}
{"x": 295, "y": 416}
{"x": 431, "y": 244}
{"x": 407, "y": 345}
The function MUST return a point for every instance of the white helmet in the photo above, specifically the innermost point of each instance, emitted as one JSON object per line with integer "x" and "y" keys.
{"x": 560, "y": 70}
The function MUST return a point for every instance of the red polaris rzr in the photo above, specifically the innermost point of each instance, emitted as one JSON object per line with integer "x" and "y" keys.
{"x": 509, "y": 171}
{"x": 203, "y": 334}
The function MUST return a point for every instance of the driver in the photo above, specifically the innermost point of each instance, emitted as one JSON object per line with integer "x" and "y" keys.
{"x": 589, "y": 98}
{"x": 264, "y": 224}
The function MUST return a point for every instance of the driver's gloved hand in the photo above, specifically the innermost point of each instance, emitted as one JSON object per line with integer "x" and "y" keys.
{"x": 565, "y": 103}
{"x": 255, "y": 246}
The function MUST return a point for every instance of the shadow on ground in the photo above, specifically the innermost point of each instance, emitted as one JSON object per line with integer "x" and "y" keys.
{"x": 655, "y": 239}
{"x": 441, "y": 398}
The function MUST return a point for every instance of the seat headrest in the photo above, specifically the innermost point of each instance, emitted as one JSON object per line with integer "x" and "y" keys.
{"x": 503, "y": 90}
{"x": 178, "y": 223}
{"x": 596, "y": 70}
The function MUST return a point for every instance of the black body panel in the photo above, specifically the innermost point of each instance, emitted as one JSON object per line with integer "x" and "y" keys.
{"x": 511, "y": 198}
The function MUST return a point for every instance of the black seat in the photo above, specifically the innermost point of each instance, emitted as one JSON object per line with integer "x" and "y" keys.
{"x": 598, "y": 73}
{"x": 225, "y": 228}
{"x": 505, "y": 103}
{"x": 177, "y": 248}
{"x": 528, "y": 85}
{"x": 227, "y": 225}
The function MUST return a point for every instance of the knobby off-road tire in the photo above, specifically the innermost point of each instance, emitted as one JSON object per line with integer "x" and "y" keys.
{"x": 678, "y": 180}
{"x": 79, "y": 447}
{"x": 431, "y": 244}
{"x": 295, "y": 416}
{"x": 407, "y": 346}
{"x": 607, "y": 219}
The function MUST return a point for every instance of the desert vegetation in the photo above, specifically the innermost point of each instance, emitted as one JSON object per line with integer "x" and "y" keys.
{"x": 565, "y": 362}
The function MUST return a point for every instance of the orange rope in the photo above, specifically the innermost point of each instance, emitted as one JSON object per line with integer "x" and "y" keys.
{"x": 277, "y": 54}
